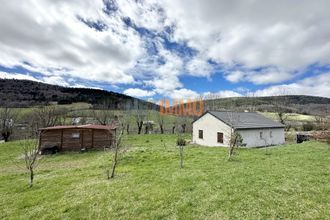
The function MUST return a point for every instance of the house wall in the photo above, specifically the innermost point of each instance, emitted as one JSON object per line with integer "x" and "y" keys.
{"x": 76, "y": 139}
{"x": 70, "y": 142}
{"x": 251, "y": 137}
{"x": 102, "y": 138}
{"x": 50, "y": 138}
{"x": 210, "y": 126}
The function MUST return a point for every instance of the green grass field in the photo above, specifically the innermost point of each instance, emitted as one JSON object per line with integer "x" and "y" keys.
{"x": 290, "y": 116}
{"x": 286, "y": 182}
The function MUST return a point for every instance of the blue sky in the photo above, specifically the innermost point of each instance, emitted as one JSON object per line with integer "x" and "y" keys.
{"x": 174, "y": 49}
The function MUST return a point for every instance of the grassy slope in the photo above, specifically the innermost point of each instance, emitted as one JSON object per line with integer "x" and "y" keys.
{"x": 288, "y": 182}
{"x": 290, "y": 116}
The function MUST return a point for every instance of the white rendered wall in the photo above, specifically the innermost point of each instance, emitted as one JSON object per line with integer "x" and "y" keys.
{"x": 251, "y": 137}
{"x": 210, "y": 126}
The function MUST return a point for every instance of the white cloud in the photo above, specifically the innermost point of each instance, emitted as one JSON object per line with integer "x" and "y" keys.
{"x": 4, "y": 75}
{"x": 50, "y": 37}
{"x": 183, "y": 94}
{"x": 57, "y": 80}
{"x": 78, "y": 85}
{"x": 235, "y": 76}
{"x": 165, "y": 76}
{"x": 136, "y": 92}
{"x": 264, "y": 76}
{"x": 260, "y": 41}
{"x": 147, "y": 14}
{"x": 316, "y": 86}
{"x": 221, "y": 94}
{"x": 289, "y": 36}
{"x": 199, "y": 67}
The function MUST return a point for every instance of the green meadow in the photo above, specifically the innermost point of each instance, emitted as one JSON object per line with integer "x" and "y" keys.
{"x": 284, "y": 182}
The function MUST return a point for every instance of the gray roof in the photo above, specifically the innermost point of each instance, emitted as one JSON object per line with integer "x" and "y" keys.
{"x": 245, "y": 120}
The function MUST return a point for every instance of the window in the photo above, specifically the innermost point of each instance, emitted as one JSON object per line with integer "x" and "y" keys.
{"x": 261, "y": 134}
{"x": 200, "y": 134}
{"x": 271, "y": 134}
{"x": 75, "y": 135}
{"x": 220, "y": 137}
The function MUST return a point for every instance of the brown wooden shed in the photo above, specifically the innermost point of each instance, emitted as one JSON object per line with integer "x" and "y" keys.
{"x": 77, "y": 137}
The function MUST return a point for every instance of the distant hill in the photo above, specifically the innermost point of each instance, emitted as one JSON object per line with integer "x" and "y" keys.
{"x": 290, "y": 103}
{"x": 26, "y": 93}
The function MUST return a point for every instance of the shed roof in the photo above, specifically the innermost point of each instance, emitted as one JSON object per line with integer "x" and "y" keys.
{"x": 89, "y": 126}
{"x": 245, "y": 120}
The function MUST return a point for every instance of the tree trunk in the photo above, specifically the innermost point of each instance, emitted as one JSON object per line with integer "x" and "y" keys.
{"x": 232, "y": 147}
{"x": 146, "y": 129}
{"x": 181, "y": 156}
{"x": 31, "y": 177}
{"x": 114, "y": 164}
{"x": 5, "y": 136}
{"x": 173, "y": 129}
{"x": 127, "y": 128}
{"x": 183, "y": 128}
{"x": 281, "y": 117}
{"x": 161, "y": 129}
{"x": 139, "y": 124}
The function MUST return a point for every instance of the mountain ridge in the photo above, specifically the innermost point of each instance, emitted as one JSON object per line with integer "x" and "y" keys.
{"x": 27, "y": 93}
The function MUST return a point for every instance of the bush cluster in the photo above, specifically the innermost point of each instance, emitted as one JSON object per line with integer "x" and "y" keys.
{"x": 308, "y": 126}
{"x": 181, "y": 142}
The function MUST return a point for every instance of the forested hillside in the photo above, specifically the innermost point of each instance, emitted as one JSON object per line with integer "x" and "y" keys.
{"x": 25, "y": 93}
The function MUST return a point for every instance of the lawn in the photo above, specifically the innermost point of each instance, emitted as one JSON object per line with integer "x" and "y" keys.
{"x": 286, "y": 182}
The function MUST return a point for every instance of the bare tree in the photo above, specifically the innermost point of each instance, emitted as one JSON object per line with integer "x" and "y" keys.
{"x": 161, "y": 122}
{"x": 280, "y": 104}
{"x": 30, "y": 151}
{"x": 125, "y": 120}
{"x": 49, "y": 116}
{"x": 118, "y": 146}
{"x": 322, "y": 122}
{"x": 183, "y": 121}
{"x": 127, "y": 117}
{"x": 139, "y": 115}
{"x": 173, "y": 128}
{"x": 235, "y": 142}
{"x": 235, "y": 139}
{"x": 7, "y": 119}
{"x": 253, "y": 105}
{"x": 104, "y": 116}
{"x": 181, "y": 142}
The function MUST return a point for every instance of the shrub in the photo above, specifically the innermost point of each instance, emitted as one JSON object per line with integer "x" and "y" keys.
{"x": 308, "y": 126}
{"x": 181, "y": 142}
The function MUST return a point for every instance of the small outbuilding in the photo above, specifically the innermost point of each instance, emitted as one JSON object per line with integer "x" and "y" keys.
{"x": 77, "y": 137}
{"x": 214, "y": 128}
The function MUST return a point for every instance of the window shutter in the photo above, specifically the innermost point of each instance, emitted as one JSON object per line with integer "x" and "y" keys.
{"x": 220, "y": 137}
{"x": 200, "y": 134}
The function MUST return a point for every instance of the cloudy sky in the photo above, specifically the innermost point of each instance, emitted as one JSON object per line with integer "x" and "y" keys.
{"x": 175, "y": 49}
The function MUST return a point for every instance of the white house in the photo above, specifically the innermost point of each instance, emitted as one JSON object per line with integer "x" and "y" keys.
{"x": 214, "y": 128}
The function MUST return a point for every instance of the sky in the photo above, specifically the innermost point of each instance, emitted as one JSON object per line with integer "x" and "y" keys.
{"x": 170, "y": 49}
